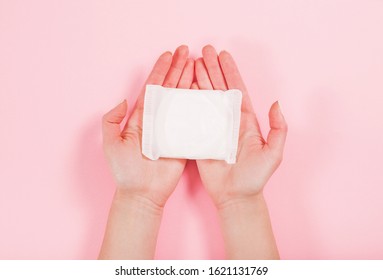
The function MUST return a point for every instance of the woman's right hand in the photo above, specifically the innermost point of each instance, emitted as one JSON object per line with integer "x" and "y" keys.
{"x": 135, "y": 175}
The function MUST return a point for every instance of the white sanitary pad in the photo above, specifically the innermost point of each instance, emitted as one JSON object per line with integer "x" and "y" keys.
{"x": 191, "y": 124}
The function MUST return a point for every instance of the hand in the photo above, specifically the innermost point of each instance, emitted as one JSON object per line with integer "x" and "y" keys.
{"x": 135, "y": 175}
{"x": 257, "y": 158}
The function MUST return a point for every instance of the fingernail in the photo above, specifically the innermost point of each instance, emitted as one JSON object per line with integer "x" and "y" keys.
{"x": 279, "y": 107}
{"x": 225, "y": 52}
{"x": 167, "y": 53}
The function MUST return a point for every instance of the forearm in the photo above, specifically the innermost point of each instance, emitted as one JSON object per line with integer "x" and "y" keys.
{"x": 247, "y": 230}
{"x": 132, "y": 228}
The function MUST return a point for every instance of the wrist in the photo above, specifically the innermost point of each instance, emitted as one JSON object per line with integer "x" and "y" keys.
{"x": 241, "y": 203}
{"x": 246, "y": 228}
{"x": 141, "y": 204}
{"x": 132, "y": 229}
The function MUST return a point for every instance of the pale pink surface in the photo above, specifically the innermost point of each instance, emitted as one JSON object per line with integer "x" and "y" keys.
{"x": 63, "y": 64}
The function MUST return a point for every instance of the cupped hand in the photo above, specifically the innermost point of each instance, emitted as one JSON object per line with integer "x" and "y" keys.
{"x": 257, "y": 158}
{"x": 135, "y": 175}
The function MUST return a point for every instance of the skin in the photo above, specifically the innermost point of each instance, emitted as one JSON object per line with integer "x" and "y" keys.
{"x": 143, "y": 185}
{"x": 237, "y": 189}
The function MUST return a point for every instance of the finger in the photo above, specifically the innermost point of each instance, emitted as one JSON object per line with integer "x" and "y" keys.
{"x": 111, "y": 122}
{"x": 194, "y": 85}
{"x": 177, "y": 66}
{"x": 202, "y": 75}
{"x": 160, "y": 69}
{"x": 278, "y": 130}
{"x": 210, "y": 58}
{"x": 234, "y": 80}
{"x": 187, "y": 74}
{"x": 156, "y": 77}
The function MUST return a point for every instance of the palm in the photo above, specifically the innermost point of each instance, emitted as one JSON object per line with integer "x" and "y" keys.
{"x": 245, "y": 178}
{"x": 155, "y": 180}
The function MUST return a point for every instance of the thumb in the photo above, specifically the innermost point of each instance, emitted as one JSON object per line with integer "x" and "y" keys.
{"x": 278, "y": 129}
{"x": 111, "y": 122}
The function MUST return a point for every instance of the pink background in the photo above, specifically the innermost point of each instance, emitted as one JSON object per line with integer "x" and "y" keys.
{"x": 64, "y": 63}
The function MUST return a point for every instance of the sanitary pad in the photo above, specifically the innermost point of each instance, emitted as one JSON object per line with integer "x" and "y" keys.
{"x": 191, "y": 124}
